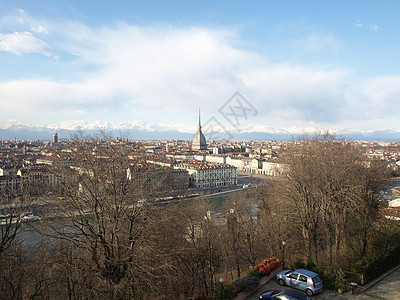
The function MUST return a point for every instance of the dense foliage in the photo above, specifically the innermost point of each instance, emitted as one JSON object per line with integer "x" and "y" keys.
{"x": 246, "y": 284}
{"x": 332, "y": 278}
{"x": 373, "y": 265}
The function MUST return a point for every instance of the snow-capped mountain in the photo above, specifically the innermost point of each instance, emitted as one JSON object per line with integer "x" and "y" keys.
{"x": 137, "y": 129}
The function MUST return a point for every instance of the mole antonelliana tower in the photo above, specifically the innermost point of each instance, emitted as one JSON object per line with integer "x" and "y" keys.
{"x": 199, "y": 141}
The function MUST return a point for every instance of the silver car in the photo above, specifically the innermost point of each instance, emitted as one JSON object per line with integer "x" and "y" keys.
{"x": 301, "y": 279}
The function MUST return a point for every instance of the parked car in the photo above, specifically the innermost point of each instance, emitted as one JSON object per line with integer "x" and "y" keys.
{"x": 285, "y": 295}
{"x": 301, "y": 279}
{"x": 269, "y": 294}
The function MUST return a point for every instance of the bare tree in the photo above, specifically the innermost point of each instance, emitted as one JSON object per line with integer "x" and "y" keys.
{"x": 274, "y": 217}
{"x": 104, "y": 215}
{"x": 190, "y": 249}
{"x": 11, "y": 215}
{"x": 333, "y": 188}
{"x": 244, "y": 231}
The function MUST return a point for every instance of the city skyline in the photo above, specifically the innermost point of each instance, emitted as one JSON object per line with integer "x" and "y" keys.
{"x": 300, "y": 65}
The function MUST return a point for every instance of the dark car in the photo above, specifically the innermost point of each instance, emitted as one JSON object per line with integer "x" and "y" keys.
{"x": 269, "y": 294}
{"x": 285, "y": 295}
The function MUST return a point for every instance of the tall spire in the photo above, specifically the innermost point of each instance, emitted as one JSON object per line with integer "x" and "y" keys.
{"x": 199, "y": 141}
{"x": 199, "y": 118}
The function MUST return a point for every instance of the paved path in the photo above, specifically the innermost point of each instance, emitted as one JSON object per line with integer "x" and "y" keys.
{"x": 387, "y": 289}
{"x": 273, "y": 285}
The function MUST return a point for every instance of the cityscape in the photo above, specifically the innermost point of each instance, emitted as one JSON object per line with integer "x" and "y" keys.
{"x": 199, "y": 151}
{"x": 38, "y": 177}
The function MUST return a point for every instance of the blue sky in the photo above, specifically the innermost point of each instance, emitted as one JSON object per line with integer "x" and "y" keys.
{"x": 300, "y": 64}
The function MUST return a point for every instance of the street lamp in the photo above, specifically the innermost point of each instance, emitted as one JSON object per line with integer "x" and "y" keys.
{"x": 283, "y": 254}
{"x": 221, "y": 281}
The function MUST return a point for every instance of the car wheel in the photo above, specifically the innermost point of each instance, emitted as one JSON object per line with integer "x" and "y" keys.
{"x": 281, "y": 282}
{"x": 309, "y": 292}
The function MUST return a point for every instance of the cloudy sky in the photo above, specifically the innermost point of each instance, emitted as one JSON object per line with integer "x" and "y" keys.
{"x": 297, "y": 64}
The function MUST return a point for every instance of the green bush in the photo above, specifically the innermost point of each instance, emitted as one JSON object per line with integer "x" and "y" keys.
{"x": 254, "y": 272}
{"x": 333, "y": 279}
{"x": 311, "y": 265}
{"x": 227, "y": 293}
{"x": 247, "y": 283}
{"x": 340, "y": 282}
{"x": 327, "y": 274}
{"x": 377, "y": 263}
{"x": 298, "y": 264}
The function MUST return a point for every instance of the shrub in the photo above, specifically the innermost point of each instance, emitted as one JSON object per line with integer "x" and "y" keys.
{"x": 247, "y": 283}
{"x": 377, "y": 263}
{"x": 333, "y": 279}
{"x": 327, "y": 274}
{"x": 227, "y": 292}
{"x": 298, "y": 264}
{"x": 254, "y": 272}
{"x": 340, "y": 282}
{"x": 311, "y": 265}
{"x": 266, "y": 266}
{"x": 250, "y": 282}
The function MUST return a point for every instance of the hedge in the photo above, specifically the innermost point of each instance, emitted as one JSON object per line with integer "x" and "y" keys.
{"x": 377, "y": 263}
{"x": 332, "y": 278}
{"x": 246, "y": 284}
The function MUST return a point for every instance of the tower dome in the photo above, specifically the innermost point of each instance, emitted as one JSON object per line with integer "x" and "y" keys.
{"x": 199, "y": 141}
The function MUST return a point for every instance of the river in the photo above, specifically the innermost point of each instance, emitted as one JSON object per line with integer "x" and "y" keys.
{"x": 30, "y": 231}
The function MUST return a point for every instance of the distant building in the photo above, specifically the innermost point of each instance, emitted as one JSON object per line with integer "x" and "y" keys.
{"x": 10, "y": 186}
{"x": 217, "y": 150}
{"x": 203, "y": 175}
{"x": 159, "y": 178}
{"x": 55, "y": 138}
{"x": 36, "y": 179}
{"x": 199, "y": 141}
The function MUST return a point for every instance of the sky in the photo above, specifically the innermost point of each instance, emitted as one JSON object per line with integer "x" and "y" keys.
{"x": 294, "y": 64}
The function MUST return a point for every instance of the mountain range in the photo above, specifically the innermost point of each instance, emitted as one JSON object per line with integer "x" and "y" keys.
{"x": 139, "y": 130}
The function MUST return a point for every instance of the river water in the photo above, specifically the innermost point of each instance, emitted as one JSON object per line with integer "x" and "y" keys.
{"x": 30, "y": 234}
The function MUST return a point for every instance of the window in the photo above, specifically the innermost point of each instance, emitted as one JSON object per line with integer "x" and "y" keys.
{"x": 316, "y": 279}
{"x": 303, "y": 278}
{"x": 293, "y": 276}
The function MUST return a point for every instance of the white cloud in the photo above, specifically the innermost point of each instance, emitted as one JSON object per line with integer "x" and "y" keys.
{"x": 377, "y": 97}
{"x": 359, "y": 24}
{"x": 39, "y": 29}
{"x": 23, "y": 42}
{"x": 373, "y": 27}
{"x": 288, "y": 92}
{"x": 177, "y": 70}
{"x": 41, "y": 96}
{"x": 316, "y": 42}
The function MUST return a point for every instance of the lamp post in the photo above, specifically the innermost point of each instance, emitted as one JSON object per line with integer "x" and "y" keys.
{"x": 221, "y": 281}
{"x": 283, "y": 254}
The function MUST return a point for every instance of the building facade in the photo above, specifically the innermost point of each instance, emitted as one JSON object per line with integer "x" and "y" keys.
{"x": 204, "y": 175}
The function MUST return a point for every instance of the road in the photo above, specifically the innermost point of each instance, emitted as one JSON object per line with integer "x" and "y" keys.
{"x": 273, "y": 285}
{"x": 387, "y": 289}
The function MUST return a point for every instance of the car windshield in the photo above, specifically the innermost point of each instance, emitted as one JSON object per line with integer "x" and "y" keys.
{"x": 275, "y": 292}
{"x": 288, "y": 272}
{"x": 316, "y": 279}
